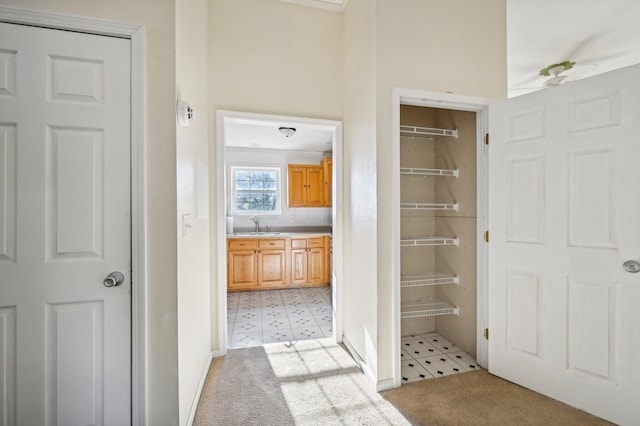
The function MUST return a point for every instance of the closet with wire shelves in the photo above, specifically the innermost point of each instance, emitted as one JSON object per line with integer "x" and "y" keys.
{"x": 437, "y": 223}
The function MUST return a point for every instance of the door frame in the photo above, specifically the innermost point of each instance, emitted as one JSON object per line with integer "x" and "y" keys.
{"x": 461, "y": 103}
{"x": 220, "y": 287}
{"x": 135, "y": 33}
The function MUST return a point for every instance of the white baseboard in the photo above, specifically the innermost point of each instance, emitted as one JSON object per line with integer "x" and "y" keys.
{"x": 361, "y": 364}
{"x": 196, "y": 399}
{"x": 384, "y": 385}
{"x": 216, "y": 353}
{"x": 353, "y": 352}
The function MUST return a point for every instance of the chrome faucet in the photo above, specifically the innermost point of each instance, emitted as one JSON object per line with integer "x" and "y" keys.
{"x": 257, "y": 222}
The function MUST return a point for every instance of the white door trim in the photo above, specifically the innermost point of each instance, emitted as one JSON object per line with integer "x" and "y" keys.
{"x": 220, "y": 214}
{"x": 138, "y": 205}
{"x": 455, "y": 102}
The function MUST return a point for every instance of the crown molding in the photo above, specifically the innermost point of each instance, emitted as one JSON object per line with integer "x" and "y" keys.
{"x": 67, "y": 22}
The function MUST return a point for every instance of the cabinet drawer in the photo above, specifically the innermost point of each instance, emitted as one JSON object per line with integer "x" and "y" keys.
{"x": 271, "y": 243}
{"x": 316, "y": 242}
{"x": 297, "y": 243}
{"x": 242, "y": 244}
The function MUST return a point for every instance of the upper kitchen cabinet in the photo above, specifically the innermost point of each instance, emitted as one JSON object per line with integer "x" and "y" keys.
{"x": 306, "y": 185}
{"x": 327, "y": 171}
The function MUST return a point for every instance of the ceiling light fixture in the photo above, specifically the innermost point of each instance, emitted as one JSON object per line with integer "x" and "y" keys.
{"x": 287, "y": 131}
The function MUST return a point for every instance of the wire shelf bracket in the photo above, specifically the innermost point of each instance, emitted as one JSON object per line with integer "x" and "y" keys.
{"x": 427, "y": 132}
{"x": 429, "y": 241}
{"x": 427, "y": 279}
{"x": 429, "y": 206}
{"x": 428, "y": 309}
{"x": 412, "y": 171}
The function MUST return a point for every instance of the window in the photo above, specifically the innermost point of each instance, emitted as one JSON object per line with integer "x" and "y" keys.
{"x": 255, "y": 190}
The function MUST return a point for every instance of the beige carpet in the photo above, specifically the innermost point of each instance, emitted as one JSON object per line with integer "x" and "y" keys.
{"x": 316, "y": 382}
{"x": 478, "y": 398}
{"x": 312, "y": 382}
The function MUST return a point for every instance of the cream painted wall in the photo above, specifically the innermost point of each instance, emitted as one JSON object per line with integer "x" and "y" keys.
{"x": 271, "y": 57}
{"x": 360, "y": 163}
{"x": 158, "y": 17}
{"x": 192, "y": 156}
{"x": 457, "y": 47}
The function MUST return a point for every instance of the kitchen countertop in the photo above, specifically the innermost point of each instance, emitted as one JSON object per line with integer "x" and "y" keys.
{"x": 276, "y": 234}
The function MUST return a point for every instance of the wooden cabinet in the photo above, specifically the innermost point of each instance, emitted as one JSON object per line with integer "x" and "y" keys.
{"x": 242, "y": 268}
{"x": 256, "y": 263}
{"x": 271, "y": 262}
{"x": 308, "y": 261}
{"x": 267, "y": 263}
{"x": 299, "y": 265}
{"x": 305, "y": 185}
{"x": 327, "y": 173}
{"x": 328, "y": 258}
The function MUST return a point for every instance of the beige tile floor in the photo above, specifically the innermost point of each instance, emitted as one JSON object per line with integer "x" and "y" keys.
{"x": 258, "y": 317}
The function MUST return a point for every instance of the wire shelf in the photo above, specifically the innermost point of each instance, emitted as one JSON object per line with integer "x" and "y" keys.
{"x": 429, "y": 241}
{"x": 429, "y": 206}
{"x": 427, "y": 132}
{"x": 427, "y": 279}
{"x": 431, "y": 308}
{"x": 412, "y": 171}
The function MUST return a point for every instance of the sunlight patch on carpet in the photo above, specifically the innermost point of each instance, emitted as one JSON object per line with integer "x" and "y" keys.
{"x": 307, "y": 357}
{"x": 322, "y": 385}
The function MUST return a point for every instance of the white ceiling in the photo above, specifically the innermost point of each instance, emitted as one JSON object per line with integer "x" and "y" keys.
{"x": 253, "y": 132}
{"x": 598, "y": 35}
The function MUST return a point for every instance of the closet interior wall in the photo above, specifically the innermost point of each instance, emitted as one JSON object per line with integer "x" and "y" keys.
{"x": 441, "y": 152}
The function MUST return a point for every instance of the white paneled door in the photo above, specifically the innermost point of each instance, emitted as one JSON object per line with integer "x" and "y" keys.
{"x": 564, "y": 217}
{"x": 65, "y": 349}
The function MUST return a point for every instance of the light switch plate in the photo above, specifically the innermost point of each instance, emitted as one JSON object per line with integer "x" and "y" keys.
{"x": 186, "y": 225}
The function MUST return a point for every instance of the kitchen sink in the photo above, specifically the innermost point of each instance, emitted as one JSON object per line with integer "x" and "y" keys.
{"x": 257, "y": 233}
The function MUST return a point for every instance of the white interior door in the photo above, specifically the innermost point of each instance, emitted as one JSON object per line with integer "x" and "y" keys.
{"x": 564, "y": 216}
{"x": 64, "y": 226}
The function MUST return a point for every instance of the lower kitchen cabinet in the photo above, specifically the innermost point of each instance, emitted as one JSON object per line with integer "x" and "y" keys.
{"x": 268, "y": 263}
{"x": 272, "y": 263}
{"x": 307, "y": 261}
{"x": 242, "y": 266}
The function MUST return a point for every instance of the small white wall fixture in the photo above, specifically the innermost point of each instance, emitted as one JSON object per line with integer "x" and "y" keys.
{"x": 185, "y": 114}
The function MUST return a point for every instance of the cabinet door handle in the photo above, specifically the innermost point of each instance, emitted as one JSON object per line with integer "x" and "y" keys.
{"x": 272, "y": 244}
{"x": 242, "y": 245}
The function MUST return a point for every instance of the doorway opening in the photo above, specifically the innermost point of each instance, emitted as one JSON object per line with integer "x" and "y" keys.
{"x": 279, "y": 229}
{"x": 439, "y": 221}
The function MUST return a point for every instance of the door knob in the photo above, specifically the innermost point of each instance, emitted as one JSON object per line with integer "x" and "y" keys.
{"x": 114, "y": 279}
{"x": 632, "y": 266}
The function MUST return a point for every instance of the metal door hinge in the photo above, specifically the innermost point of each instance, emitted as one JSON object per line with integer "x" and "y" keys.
{"x": 486, "y": 333}
{"x": 486, "y": 236}
{"x": 486, "y": 138}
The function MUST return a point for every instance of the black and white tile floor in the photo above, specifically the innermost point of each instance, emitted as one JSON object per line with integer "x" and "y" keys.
{"x": 427, "y": 356}
{"x": 258, "y": 317}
